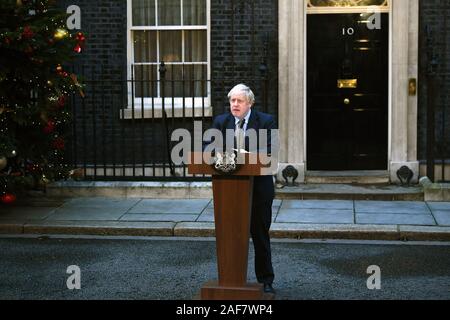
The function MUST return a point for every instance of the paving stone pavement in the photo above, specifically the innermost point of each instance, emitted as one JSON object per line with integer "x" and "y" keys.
{"x": 195, "y": 217}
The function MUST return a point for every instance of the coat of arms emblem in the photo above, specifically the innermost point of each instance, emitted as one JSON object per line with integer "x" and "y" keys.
{"x": 225, "y": 163}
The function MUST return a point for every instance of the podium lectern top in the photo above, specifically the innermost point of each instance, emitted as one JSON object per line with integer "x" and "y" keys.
{"x": 249, "y": 164}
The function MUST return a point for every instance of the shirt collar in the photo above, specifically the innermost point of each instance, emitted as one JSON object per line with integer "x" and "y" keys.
{"x": 247, "y": 117}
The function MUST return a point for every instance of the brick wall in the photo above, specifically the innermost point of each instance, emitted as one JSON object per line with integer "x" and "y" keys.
{"x": 436, "y": 15}
{"x": 99, "y": 133}
{"x": 243, "y": 35}
{"x": 104, "y": 23}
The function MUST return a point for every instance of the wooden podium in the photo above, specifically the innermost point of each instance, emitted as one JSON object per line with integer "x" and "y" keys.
{"x": 232, "y": 211}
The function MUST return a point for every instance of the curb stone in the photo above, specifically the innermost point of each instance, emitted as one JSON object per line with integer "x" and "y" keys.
{"x": 101, "y": 228}
{"x": 206, "y": 229}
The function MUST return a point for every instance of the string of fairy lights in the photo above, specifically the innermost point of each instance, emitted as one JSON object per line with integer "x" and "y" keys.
{"x": 34, "y": 93}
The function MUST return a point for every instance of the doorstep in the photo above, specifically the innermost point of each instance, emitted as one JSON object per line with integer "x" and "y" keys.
{"x": 203, "y": 190}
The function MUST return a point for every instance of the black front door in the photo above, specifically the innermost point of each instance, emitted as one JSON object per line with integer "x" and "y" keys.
{"x": 347, "y": 91}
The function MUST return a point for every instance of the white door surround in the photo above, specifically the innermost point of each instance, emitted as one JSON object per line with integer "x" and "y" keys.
{"x": 404, "y": 42}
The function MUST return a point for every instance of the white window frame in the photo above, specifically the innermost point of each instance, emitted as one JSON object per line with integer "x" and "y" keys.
{"x": 311, "y": 9}
{"x": 194, "y": 106}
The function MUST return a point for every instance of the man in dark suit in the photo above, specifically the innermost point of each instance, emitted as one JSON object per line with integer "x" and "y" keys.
{"x": 241, "y": 116}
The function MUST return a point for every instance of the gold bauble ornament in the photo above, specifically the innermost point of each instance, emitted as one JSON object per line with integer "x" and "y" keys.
{"x": 3, "y": 163}
{"x": 43, "y": 181}
{"x": 60, "y": 34}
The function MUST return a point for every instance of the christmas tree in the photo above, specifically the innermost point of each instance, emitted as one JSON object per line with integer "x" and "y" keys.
{"x": 34, "y": 89}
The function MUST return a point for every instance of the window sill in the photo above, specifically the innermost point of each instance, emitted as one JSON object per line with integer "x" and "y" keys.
{"x": 171, "y": 112}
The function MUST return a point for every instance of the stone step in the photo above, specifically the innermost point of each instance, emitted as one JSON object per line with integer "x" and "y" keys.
{"x": 347, "y": 177}
{"x": 202, "y": 190}
{"x": 129, "y": 189}
{"x": 351, "y": 192}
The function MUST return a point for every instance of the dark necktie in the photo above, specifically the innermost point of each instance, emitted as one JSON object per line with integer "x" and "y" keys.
{"x": 240, "y": 135}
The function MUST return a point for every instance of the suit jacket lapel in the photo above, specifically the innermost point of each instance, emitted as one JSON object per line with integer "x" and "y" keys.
{"x": 253, "y": 121}
{"x": 230, "y": 122}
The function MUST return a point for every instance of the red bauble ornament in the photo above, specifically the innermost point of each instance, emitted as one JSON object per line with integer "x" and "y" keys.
{"x": 33, "y": 168}
{"x": 80, "y": 37}
{"x": 59, "y": 144}
{"x": 77, "y": 48}
{"x": 27, "y": 33}
{"x": 8, "y": 198}
{"x": 50, "y": 127}
{"x": 61, "y": 101}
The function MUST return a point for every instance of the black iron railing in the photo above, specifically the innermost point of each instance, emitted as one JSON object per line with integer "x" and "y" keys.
{"x": 122, "y": 129}
{"x": 437, "y": 109}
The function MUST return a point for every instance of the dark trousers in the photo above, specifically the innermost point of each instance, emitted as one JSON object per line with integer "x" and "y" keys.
{"x": 261, "y": 219}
